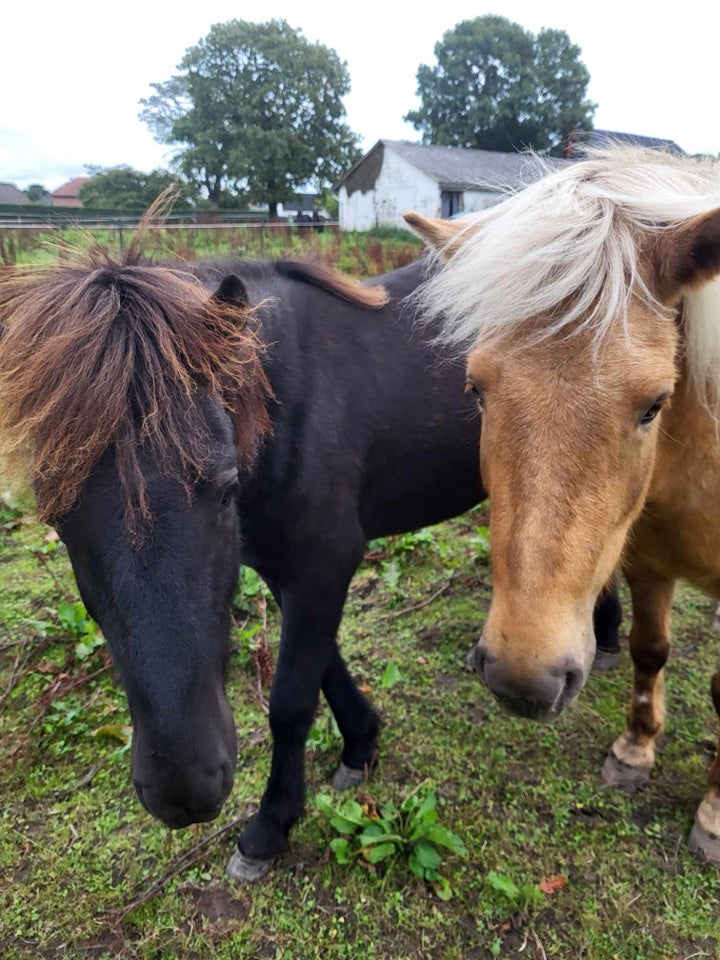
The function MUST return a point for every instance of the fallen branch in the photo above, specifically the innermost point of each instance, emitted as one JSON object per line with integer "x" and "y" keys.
{"x": 84, "y": 781}
{"x": 21, "y": 662}
{"x": 44, "y": 561}
{"x": 423, "y": 603}
{"x": 9, "y": 644}
{"x": 177, "y": 866}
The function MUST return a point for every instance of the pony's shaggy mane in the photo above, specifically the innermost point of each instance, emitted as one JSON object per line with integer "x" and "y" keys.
{"x": 100, "y": 353}
{"x": 565, "y": 253}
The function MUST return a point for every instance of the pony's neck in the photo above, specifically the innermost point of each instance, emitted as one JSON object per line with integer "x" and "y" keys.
{"x": 701, "y": 322}
{"x": 688, "y": 454}
{"x": 679, "y": 529}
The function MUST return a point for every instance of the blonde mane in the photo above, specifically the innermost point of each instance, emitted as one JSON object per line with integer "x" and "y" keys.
{"x": 566, "y": 250}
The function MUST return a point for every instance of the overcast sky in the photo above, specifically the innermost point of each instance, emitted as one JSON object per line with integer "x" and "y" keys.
{"x": 71, "y": 74}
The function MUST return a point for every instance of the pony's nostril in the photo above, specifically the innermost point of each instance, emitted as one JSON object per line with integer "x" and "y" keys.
{"x": 482, "y": 659}
{"x": 573, "y": 682}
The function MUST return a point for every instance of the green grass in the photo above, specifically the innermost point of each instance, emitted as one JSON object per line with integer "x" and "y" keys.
{"x": 525, "y": 800}
{"x": 367, "y": 253}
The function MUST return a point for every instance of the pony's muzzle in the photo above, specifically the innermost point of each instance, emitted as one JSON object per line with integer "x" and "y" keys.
{"x": 190, "y": 796}
{"x": 184, "y": 773}
{"x": 540, "y": 694}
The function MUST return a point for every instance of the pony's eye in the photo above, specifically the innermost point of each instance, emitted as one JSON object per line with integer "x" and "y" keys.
{"x": 473, "y": 390}
{"x": 652, "y": 411}
{"x": 230, "y": 493}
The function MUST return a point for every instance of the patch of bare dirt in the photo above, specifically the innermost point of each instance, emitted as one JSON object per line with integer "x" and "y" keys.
{"x": 217, "y": 904}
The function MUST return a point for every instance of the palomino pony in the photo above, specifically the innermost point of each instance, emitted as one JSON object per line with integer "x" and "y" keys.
{"x": 592, "y": 318}
{"x": 172, "y": 432}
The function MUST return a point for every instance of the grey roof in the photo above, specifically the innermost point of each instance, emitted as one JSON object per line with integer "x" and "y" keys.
{"x": 460, "y": 167}
{"x": 9, "y": 193}
{"x": 454, "y": 168}
{"x": 600, "y": 138}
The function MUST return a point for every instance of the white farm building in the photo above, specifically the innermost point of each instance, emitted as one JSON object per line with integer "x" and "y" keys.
{"x": 396, "y": 176}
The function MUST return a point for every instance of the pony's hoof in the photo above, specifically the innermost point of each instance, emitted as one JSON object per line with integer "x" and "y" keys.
{"x": 617, "y": 774}
{"x": 704, "y": 844}
{"x": 605, "y": 659}
{"x": 247, "y": 869}
{"x": 345, "y": 778}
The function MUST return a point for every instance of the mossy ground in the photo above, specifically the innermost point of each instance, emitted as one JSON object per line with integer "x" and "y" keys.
{"x": 76, "y": 848}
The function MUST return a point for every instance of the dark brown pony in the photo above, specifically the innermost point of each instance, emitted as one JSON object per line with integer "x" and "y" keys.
{"x": 132, "y": 397}
{"x": 592, "y": 320}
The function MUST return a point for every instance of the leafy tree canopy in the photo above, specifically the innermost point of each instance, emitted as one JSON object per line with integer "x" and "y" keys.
{"x": 37, "y": 193}
{"x": 122, "y": 188}
{"x": 497, "y": 86}
{"x": 256, "y": 110}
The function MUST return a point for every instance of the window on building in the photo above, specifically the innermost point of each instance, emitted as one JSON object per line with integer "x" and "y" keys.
{"x": 451, "y": 202}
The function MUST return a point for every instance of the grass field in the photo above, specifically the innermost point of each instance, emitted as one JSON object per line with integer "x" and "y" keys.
{"x": 77, "y": 851}
{"x": 365, "y": 254}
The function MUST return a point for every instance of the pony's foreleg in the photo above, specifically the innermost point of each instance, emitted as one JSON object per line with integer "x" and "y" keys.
{"x": 312, "y": 607}
{"x": 705, "y": 834}
{"x": 632, "y": 756}
{"x": 357, "y": 721}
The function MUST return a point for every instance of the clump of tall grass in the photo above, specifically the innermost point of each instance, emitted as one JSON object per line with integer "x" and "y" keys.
{"x": 363, "y": 254}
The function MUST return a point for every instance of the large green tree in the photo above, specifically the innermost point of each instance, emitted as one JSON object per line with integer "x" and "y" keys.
{"x": 37, "y": 193}
{"x": 122, "y": 188}
{"x": 256, "y": 111}
{"x": 497, "y": 86}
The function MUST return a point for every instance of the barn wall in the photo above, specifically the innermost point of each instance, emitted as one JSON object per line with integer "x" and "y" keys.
{"x": 397, "y": 187}
{"x": 480, "y": 199}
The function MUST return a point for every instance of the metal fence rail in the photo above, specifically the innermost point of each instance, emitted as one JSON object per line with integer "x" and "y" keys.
{"x": 187, "y": 225}
{"x": 119, "y": 226}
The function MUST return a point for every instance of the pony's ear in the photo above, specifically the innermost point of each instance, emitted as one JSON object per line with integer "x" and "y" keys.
{"x": 687, "y": 256}
{"x": 232, "y": 290}
{"x": 444, "y": 236}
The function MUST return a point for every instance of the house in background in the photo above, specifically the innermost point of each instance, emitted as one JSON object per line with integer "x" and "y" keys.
{"x": 9, "y": 193}
{"x": 299, "y": 204}
{"x": 68, "y": 195}
{"x": 396, "y": 176}
{"x": 603, "y": 138}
